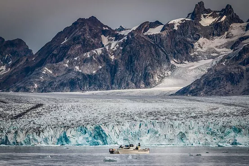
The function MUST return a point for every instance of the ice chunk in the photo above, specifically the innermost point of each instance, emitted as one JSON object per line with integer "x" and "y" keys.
{"x": 110, "y": 159}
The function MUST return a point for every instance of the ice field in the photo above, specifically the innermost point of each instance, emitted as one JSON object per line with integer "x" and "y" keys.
{"x": 119, "y": 117}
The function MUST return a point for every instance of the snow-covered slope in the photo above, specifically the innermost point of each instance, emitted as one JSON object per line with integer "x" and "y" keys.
{"x": 177, "y": 22}
{"x": 184, "y": 74}
{"x": 211, "y": 50}
{"x": 83, "y": 119}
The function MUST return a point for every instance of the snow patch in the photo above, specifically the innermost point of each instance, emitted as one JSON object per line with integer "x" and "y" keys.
{"x": 66, "y": 63}
{"x": 223, "y": 18}
{"x": 155, "y": 30}
{"x": 184, "y": 74}
{"x": 77, "y": 68}
{"x": 219, "y": 45}
{"x": 126, "y": 32}
{"x": 35, "y": 86}
{"x": 207, "y": 20}
{"x": 134, "y": 28}
{"x": 47, "y": 70}
{"x": 98, "y": 51}
{"x": 3, "y": 70}
{"x": 237, "y": 30}
{"x": 65, "y": 40}
{"x": 177, "y": 22}
{"x": 212, "y": 47}
{"x": 104, "y": 40}
{"x": 112, "y": 57}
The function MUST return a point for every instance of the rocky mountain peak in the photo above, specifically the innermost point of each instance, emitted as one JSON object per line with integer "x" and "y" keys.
{"x": 199, "y": 10}
{"x": 231, "y": 16}
{"x": 15, "y": 47}
{"x": 228, "y": 10}
{"x": 91, "y": 20}
{"x": 120, "y": 28}
{"x": 200, "y": 6}
{"x": 16, "y": 43}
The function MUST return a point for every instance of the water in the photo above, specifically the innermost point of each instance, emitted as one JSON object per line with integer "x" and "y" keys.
{"x": 30, "y": 155}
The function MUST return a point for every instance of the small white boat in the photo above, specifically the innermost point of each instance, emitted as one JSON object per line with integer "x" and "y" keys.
{"x": 129, "y": 149}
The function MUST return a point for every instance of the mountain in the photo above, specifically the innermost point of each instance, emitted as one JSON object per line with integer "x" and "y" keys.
{"x": 89, "y": 55}
{"x": 13, "y": 53}
{"x": 228, "y": 75}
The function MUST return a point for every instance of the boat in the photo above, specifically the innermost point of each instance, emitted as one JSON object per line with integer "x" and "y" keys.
{"x": 129, "y": 149}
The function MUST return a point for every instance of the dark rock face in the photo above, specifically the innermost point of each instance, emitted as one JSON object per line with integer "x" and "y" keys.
{"x": 239, "y": 41}
{"x": 199, "y": 10}
{"x": 12, "y": 52}
{"x": 247, "y": 27}
{"x": 1, "y": 40}
{"x": 229, "y": 77}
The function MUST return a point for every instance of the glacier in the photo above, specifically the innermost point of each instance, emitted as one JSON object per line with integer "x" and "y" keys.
{"x": 112, "y": 118}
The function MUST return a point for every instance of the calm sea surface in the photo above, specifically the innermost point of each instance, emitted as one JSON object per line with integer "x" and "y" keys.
{"x": 191, "y": 156}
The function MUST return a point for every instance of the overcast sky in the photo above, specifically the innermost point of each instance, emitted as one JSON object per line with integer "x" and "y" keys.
{"x": 38, "y": 21}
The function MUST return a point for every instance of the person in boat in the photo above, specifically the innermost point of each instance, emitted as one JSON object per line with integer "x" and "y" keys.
{"x": 138, "y": 146}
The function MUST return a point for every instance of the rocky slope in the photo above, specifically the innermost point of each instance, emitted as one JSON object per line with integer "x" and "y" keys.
{"x": 89, "y": 55}
{"x": 229, "y": 77}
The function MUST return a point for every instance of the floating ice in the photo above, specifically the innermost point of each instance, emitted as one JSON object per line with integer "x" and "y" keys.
{"x": 110, "y": 159}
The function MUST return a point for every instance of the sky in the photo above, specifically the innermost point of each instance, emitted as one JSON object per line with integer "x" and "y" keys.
{"x": 38, "y": 21}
